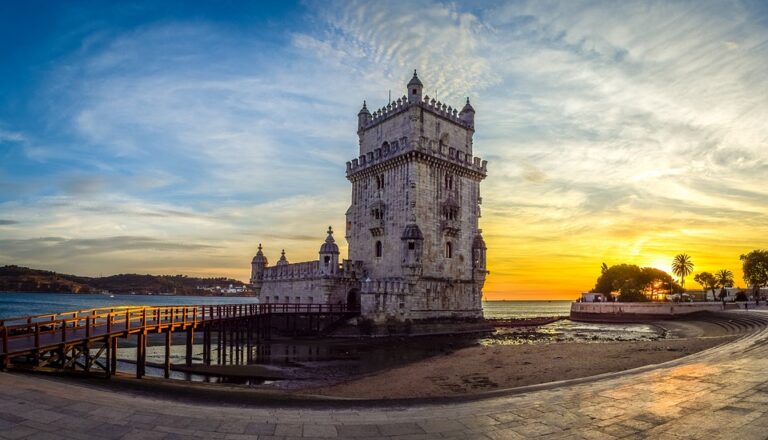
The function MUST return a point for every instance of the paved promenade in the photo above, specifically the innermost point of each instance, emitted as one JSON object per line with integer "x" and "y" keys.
{"x": 721, "y": 393}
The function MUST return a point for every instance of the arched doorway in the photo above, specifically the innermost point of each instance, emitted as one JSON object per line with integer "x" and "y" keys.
{"x": 353, "y": 299}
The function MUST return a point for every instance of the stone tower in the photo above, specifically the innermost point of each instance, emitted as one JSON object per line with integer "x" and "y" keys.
{"x": 413, "y": 220}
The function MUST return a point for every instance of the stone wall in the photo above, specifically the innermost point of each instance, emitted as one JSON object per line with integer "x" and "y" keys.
{"x": 632, "y": 312}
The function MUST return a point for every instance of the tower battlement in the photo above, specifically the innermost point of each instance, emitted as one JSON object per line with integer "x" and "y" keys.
{"x": 402, "y": 104}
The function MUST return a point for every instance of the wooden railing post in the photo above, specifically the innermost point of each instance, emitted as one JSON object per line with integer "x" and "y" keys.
{"x": 87, "y": 326}
{"x": 64, "y": 331}
{"x": 109, "y": 323}
{"x": 5, "y": 340}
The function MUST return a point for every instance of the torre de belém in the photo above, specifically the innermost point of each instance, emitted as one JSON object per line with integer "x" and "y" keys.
{"x": 415, "y": 249}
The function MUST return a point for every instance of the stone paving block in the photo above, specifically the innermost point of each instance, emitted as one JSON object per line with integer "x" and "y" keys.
{"x": 505, "y": 434}
{"x": 535, "y": 429}
{"x": 232, "y": 427}
{"x": 619, "y": 430}
{"x": 143, "y": 434}
{"x": 434, "y": 426}
{"x": 395, "y": 429}
{"x": 109, "y": 431}
{"x": 282, "y": 429}
{"x": 319, "y": 431}
{"x": 241, "y": 437}
{"x": 364, "y": 431}
{"x": 18, "y": 432}
{"x": 256, "y": 428}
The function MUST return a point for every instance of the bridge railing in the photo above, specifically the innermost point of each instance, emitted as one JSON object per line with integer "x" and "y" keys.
{"x": 84, "y": 324}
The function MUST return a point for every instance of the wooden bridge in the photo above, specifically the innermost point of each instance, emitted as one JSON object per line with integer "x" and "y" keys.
{"x": 88, "y": 339}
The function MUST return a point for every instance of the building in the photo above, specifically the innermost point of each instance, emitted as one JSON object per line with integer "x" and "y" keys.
{"x": 415, "y": 249}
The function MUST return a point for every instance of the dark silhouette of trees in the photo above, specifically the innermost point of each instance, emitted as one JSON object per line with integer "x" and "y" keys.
{"x": 755, "y": 267}
{"x": 708, "y": 281}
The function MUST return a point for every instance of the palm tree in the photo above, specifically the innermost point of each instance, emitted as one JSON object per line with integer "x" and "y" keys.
{"x": 724, "y": 278}
{"x": 682, "y": 266}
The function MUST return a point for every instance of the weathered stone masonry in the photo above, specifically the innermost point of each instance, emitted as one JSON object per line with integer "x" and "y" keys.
{"x": 415, "y": 249}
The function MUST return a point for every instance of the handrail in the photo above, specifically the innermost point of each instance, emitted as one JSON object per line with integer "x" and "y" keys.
{"x": 147, "y": 317}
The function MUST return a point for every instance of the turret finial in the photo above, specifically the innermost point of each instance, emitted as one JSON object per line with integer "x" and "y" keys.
{"x": 259, "y": 246}
{"x": 330, "y": 230}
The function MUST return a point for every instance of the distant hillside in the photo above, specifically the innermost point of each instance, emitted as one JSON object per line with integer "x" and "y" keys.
{"x": 24, "y": 279}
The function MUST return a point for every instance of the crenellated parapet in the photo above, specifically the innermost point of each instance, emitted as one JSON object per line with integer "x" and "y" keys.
{"x": 400, "y": 105}
{"x": 293, "y": 271}
{"x": 426, "y": 149}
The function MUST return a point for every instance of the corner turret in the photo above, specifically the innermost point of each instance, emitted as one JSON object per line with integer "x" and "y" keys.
{"x": 329, "y": 255}
{"x": 363, "y": 117}
{"x": 415, "y": 88}
{"x": 467, "y": 114}
{"x": 258, "y": 264}
{"x": 413, "y": 245}
{"x": 478, "y": 258}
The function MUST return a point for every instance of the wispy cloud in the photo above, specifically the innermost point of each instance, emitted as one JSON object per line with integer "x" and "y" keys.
{"x": 614, "y": 130}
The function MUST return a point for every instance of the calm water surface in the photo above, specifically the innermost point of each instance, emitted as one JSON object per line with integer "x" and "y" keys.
{"x": 314, "y": 360}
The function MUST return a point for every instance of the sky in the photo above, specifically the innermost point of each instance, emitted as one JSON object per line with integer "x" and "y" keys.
{"x": 173, "y": 137}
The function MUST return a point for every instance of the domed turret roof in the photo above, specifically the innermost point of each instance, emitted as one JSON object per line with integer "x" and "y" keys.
{"x": 415, "y": 80}
{"x": 364, "y": 110}
{"x": 330, "y": 246}
{"x": 259, "y": 258}
{"x": 467, "y": 107}
{"x": 412, "y": 232}
{"x": 282, "y": 260}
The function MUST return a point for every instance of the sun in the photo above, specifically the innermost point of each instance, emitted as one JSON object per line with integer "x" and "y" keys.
{"x": 665, "y": 265}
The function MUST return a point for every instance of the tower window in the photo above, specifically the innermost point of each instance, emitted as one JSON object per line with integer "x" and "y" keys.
{"x": 415, "y": 92}
{"x": 378, "y": 249}
{"x": 380, "y": 181}
{"x": 449, "y": 250}
{"x": 327, "y": 260}
{"x": 411, "y": 245}
{"x": 448, "y": 181}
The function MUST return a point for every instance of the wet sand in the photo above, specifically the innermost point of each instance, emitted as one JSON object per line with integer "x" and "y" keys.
{"x": 485, "y": 368}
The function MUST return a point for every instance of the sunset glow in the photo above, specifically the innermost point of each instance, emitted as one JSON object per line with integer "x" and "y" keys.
{"x": 164, "y": 143}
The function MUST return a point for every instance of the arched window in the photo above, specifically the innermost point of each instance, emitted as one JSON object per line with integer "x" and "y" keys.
{"x": 449, "y": 250}
{"x": 448, "y": 181}
{"x": 378, "y": 249}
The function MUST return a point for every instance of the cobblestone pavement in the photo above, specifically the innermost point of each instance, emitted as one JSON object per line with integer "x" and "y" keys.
{"x": 720, "y": 393}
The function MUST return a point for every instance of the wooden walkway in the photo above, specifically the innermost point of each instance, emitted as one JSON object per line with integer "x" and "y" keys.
{"x": 89, "y": 338}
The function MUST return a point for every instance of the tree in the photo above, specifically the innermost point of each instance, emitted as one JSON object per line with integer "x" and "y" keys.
{"x": 682, "y": 266}
{"x": 633, "y": 283}
{"x": 707, "y": 281}
{"x": 755, "y": 266}
{"x": 603, "y": 268}
{"x": 724, "y": 278}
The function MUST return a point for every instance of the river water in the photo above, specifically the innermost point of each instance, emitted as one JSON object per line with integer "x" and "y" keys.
{"x": 322, "y": 361}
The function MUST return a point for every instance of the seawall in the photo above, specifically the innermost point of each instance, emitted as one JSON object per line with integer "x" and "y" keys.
{"x": 638, "y": 312}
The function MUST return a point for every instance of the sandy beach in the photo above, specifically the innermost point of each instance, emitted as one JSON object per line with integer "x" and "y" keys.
{"x": 485, "y": 368}
{"x": 514, "y": 357}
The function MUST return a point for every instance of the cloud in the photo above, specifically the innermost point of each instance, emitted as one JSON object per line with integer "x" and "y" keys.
{"x": 611, "y": 129}
{"x": 4, "y": 222}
